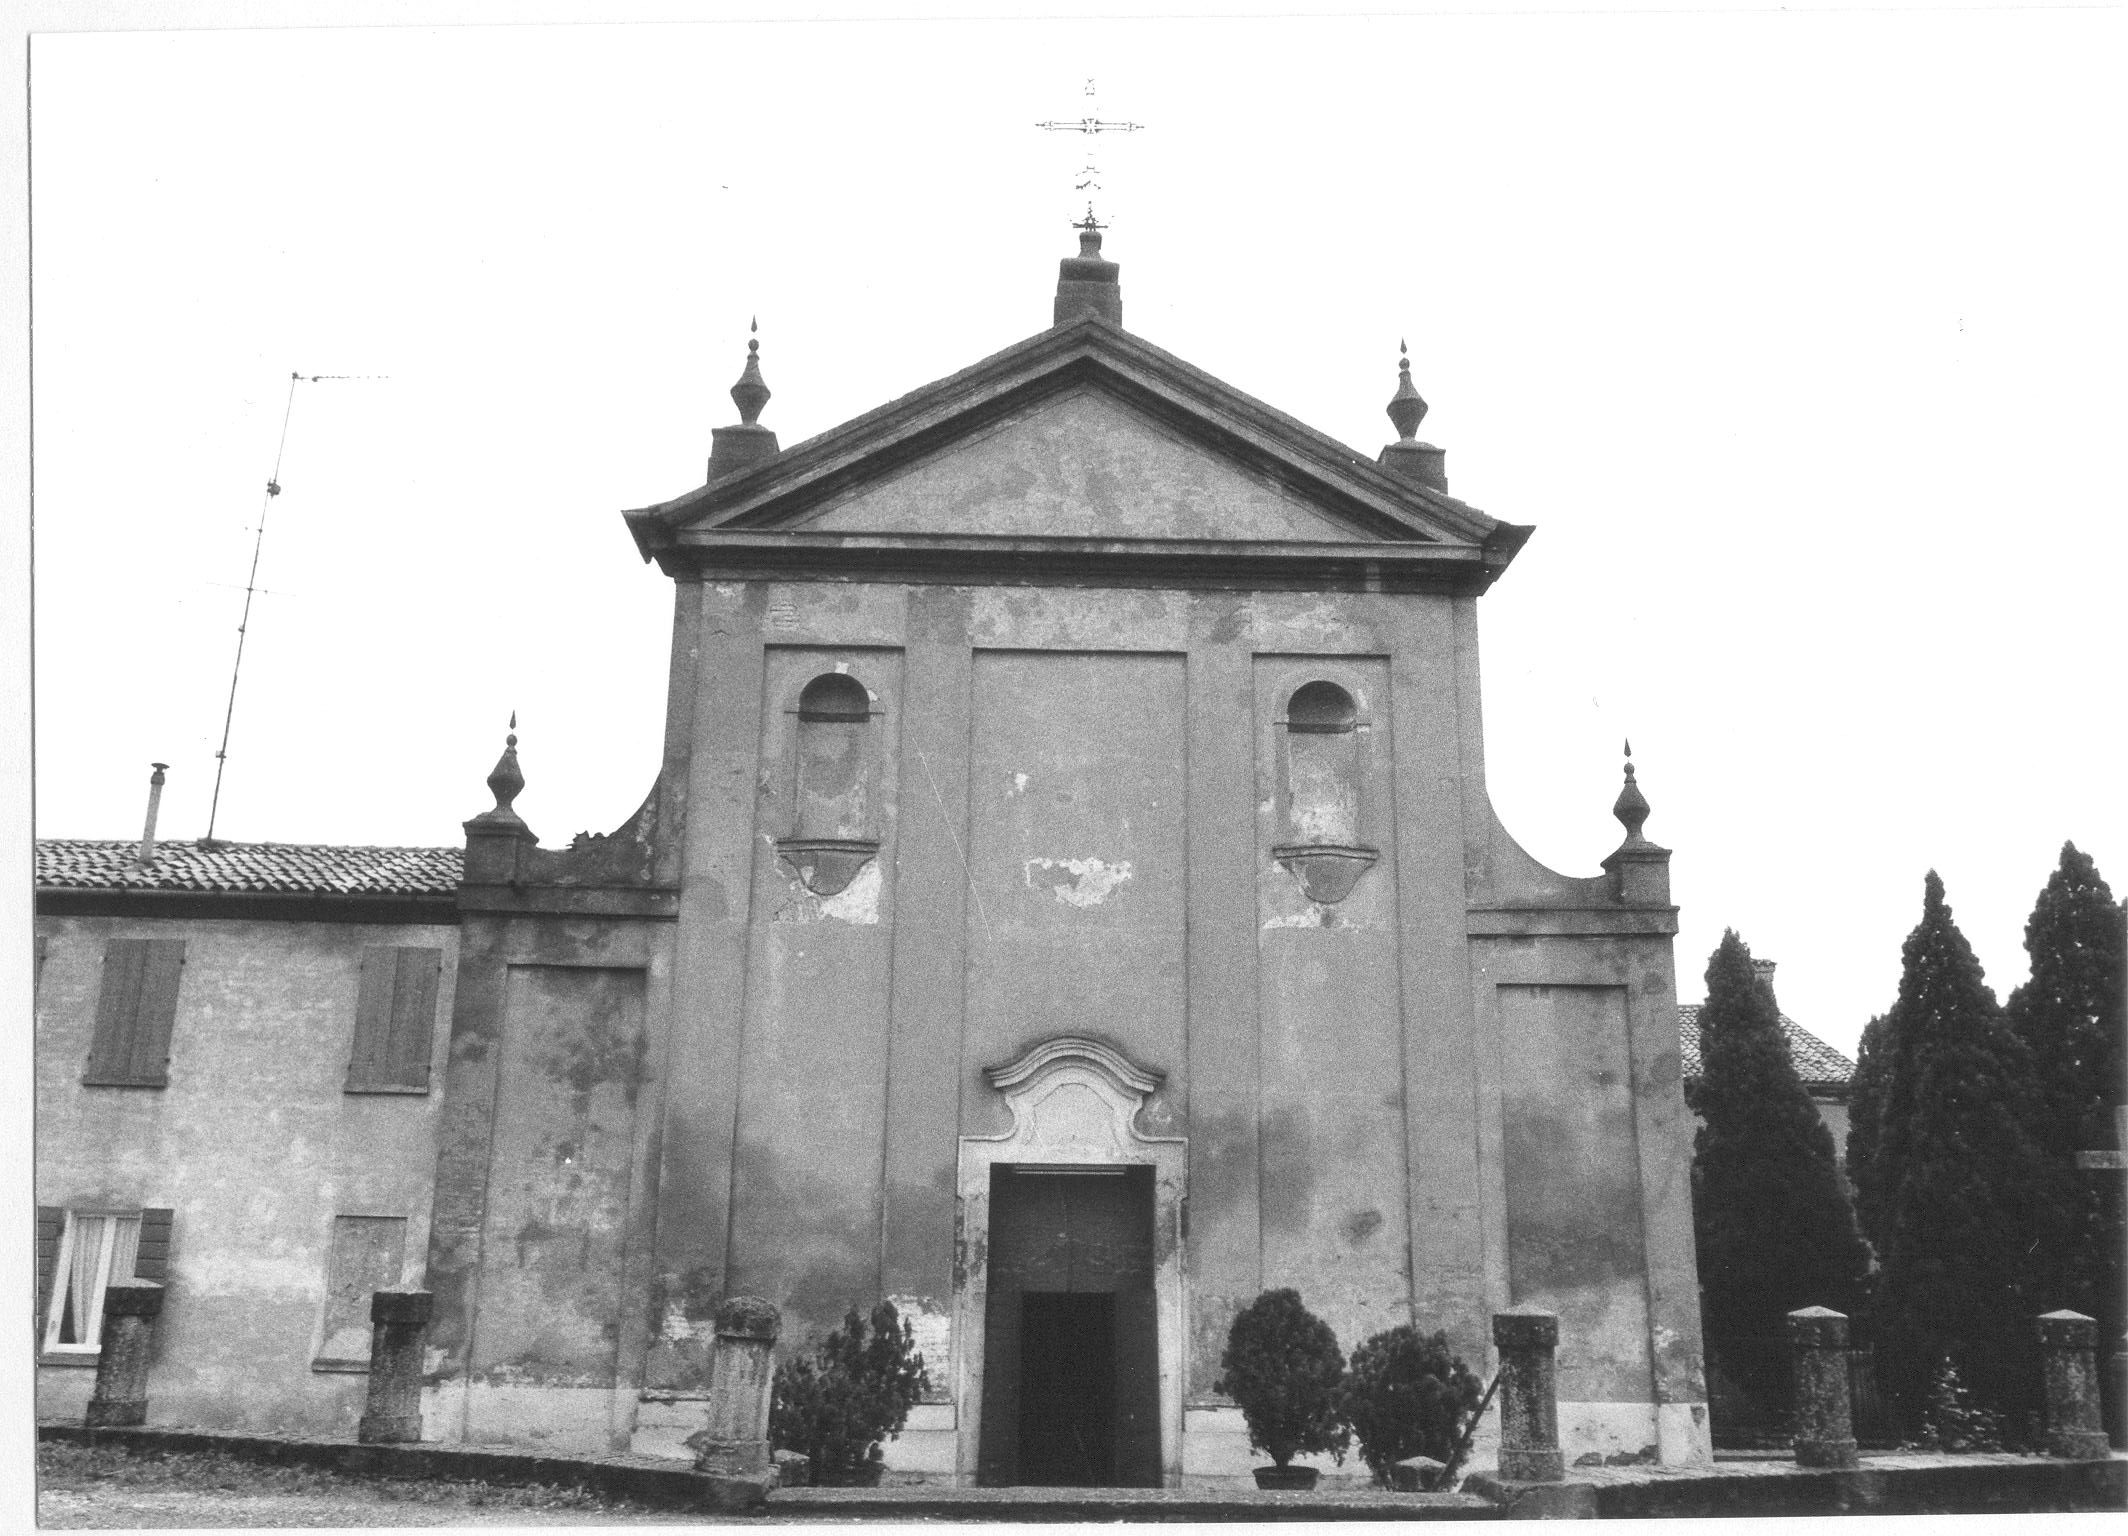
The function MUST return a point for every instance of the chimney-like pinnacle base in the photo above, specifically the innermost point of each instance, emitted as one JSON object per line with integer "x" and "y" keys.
{"x": 732, "y": 449}
{"x": 1421, "y": 463}
{"x": 1088, "y": 285}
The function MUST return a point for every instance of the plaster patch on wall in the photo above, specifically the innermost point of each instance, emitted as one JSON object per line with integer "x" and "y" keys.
{"x": 1091, "y": 879}
{"x": 286, "y": 1272}
{"x": 1321, "y": 619}
{"x": 1310, "y": 916}
{"x": 678, "y": 1325}
{"x": 1360, "y": 1225}
{"x": 932, "y": 1324}
{"x": 856, "y": 903}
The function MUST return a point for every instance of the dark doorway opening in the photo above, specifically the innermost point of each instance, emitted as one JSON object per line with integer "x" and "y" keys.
{"x": 1068, "y": 1389}
{"x": 1071, "y": 1371}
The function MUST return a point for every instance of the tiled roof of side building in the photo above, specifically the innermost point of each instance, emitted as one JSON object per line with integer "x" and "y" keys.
{"x": 1818, "y": 1064}
{"x": 295, "y": 868}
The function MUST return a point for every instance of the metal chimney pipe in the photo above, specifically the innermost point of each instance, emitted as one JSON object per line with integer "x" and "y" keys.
{"x": 155, "y": 800}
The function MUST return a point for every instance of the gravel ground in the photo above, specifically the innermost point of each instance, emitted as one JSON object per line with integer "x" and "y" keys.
{"x": 110, "y": 1509}
{"x": 79, "y": 1488}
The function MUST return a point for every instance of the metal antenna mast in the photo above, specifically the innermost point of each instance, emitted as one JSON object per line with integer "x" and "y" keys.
{"x": 251, "y": 582}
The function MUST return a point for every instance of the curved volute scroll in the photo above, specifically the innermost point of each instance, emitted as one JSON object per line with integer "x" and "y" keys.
{"x": 1075, "y": 1099}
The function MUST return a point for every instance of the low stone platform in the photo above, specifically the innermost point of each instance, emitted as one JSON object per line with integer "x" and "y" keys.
{"x": 1055, "y": 1506}
{"x": 1887, "y": 1483}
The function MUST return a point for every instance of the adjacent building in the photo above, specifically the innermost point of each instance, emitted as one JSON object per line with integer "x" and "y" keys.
{"x": 1826, "y": 1074}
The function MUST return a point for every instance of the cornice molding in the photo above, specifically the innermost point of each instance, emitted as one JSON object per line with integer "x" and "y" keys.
{"x": 776, "y": 494}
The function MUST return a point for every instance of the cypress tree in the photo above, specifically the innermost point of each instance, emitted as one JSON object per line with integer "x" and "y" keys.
{"x": 2070, "y": 1016}
{"x": 1774, "y": 1227}
{"x": 1865, "y": 1119}
{"x": 1962, "y": 1199}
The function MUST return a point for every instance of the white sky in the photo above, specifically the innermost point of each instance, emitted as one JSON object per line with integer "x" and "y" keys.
{"x": 1797, "y": 335}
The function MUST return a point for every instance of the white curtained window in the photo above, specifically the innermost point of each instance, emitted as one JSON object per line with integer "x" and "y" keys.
{"x": 94, "y": 1250}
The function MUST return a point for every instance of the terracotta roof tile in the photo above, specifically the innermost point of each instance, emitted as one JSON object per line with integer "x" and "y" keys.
{"x": 304, "y": 869}
{"x": 1818, "y": 1064}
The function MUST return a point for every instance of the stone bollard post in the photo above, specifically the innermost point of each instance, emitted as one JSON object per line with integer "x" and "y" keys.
{"x": 742, "y": 1372}
{"x": 398, "y": 1319}
{"x": 2117, "y": 1374}
{"x": 1824, "y": 1410}
{"x": 1529, "y": 1396}
{"x": 2068, "y": 1346}
{"x": 130, "y": 1308}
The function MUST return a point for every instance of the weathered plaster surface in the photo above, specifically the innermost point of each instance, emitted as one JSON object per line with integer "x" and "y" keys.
{"x": 1057, "y": 941}
{"x": 1084, "y": 786}
{"x": 1575, "y": 1243}
{"x": 558, "y": 1189}
{"x": 805, "y": 1214}
{"x": 1331, "y": 1104}
{"x": 1078, "y": 465}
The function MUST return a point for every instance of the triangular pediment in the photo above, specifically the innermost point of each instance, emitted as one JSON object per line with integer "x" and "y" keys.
{"x": 1086, "y": 443}
{"x": 1080, "y": 465}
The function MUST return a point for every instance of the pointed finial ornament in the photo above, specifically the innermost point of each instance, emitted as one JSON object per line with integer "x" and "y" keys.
{"x": 507, "y": 781}
{"x": 751, "y": 393}
{"x": 1632, "y": 806}
{"x": 1406, "y": 408}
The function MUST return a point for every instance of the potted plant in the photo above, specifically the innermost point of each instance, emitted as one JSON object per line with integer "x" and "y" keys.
{"x": 1406, "y": 1395}
{"x": 856, "y": 1391}
{"x": 1283, "y": 1369}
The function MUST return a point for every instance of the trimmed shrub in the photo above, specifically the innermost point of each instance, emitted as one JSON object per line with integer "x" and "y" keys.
{"x": 1406, "y": 1395}
{"x": 1284, "y": 1370}
{"x": 855, "y": 1392}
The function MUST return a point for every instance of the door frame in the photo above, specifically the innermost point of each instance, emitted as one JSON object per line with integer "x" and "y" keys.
{"x": 1073, "y": 1101}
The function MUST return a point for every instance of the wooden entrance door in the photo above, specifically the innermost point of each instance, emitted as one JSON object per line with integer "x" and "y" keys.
{"x": 1071, "y": 1384}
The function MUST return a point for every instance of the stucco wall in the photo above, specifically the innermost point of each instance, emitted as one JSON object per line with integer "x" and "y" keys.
{"x": 1080, "y": 789}
{"x": 254, "y": 1144}
{"x": 538, "y": 1258}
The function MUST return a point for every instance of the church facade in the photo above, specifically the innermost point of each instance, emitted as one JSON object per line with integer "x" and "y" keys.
{"x": 1068, "y": 905}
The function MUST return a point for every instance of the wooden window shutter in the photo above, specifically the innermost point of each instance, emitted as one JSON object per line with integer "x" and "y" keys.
{"x": 135, "y": 1009}
{"x": 151, "y": 1261}
{"x": 395, "y": 1021}
{"x": 51, "y": 1221}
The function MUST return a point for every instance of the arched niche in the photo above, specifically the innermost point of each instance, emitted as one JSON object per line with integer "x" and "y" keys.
{"x": 1319, "y": 761}
{"x": 1074, "y": 1103}
{"x": 834, "y": 776}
